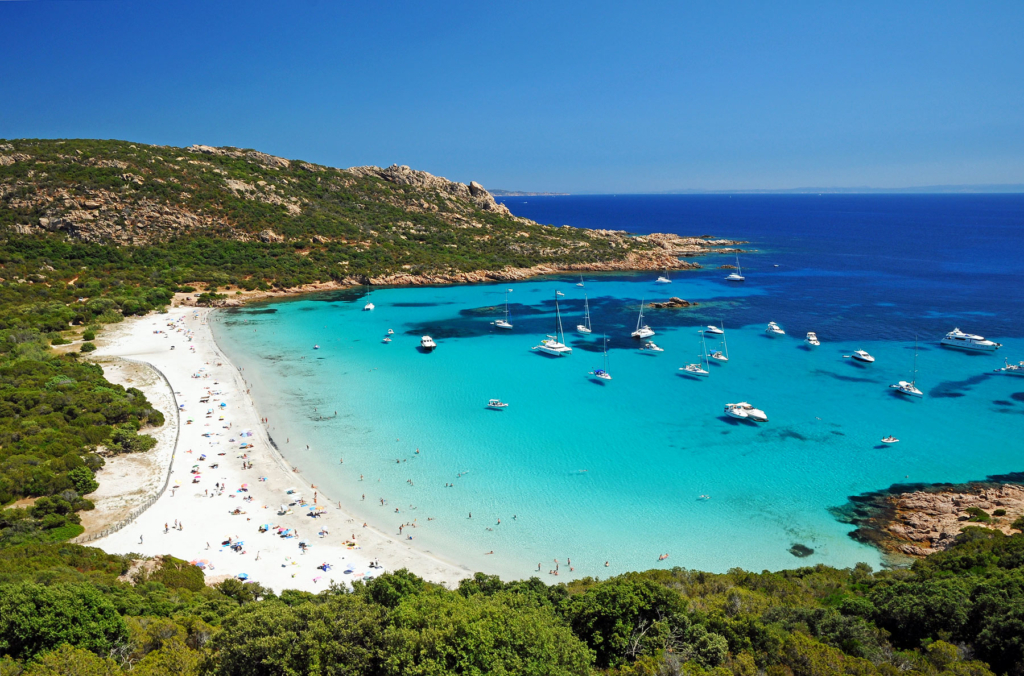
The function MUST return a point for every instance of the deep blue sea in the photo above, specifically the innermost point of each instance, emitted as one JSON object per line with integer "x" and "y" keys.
{"x": 614, "y": 471}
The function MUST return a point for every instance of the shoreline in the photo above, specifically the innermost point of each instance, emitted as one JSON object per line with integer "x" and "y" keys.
{"x": 266, "y": 558}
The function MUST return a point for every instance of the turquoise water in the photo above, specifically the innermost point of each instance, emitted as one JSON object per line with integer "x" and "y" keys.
{"x": 614, "y": 472}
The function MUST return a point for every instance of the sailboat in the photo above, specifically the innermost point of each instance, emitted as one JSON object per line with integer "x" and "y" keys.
{"x": 663, "y": 279}
{"x": 369, "y": 304}
{"x": 738, "y": 275}
{"x": 910, "y": 389}
{"x": 504, "y": 323}
{"x": 555, "y": 345}
{"x": 585, "y": 326}
{"x": 642, "y": 330}
{"x": 697, "y": 369}
{"x": 719, "y": 355}
{"x": 603, "y": 373}
{"x": 581, "y": 281}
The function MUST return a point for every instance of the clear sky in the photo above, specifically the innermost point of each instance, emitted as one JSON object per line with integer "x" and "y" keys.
{"x": 584, "y": 97}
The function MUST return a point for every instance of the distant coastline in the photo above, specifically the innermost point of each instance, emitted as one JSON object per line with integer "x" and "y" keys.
{"x": 523, "y": 193}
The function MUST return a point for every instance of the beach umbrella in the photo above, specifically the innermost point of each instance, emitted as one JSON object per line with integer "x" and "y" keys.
{"x": 243, "y": 576}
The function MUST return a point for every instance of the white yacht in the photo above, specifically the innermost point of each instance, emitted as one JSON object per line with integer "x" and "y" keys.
{"x": 812, "y": 339}
{"x": 649, "y": 346}
{"x": 1011, "y": 369}
{"x": 369, "y": 304}
{"x": 496, "y": 404}
{"x": 580, "y": 282}
{"x": 890, "y": 440}
{"x": 734, "y": 411}
{"x": 387, "y": 339}
{"x": 427, "y": 343}
{"x": 391, "y": 332}
{"x": 774, "y": 330}
{"x": 642, "y": 330}
{"x": 585, "y": 326}
{"x": 504, "y": 323}
{"x": 603, "y": 374}
{"x": 698, "y": 369}
{"x": 738, "y": 275}
{"x": 909, "y": 389}
{"x": 711, "y": 328}
{"x": 663, "y": 279}
{"x": 863, "y": 356}
{"x": 966, "y": 341}
{"x": 723, "y": 354}
{"x": 555, "y": 345}
{"x": 755, "y": 414}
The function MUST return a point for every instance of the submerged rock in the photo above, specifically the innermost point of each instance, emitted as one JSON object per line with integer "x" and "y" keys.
{"x": 800, "y": 551}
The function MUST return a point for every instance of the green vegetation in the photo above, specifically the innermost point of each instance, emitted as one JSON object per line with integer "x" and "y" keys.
{"x": 957, "y": 613}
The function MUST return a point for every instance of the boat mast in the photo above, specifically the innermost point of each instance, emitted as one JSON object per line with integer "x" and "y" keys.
{"x": 725, "y": 343}
{"x": 640, "y": 319}
{"x": 506, "y": 305}
{"x": 558, "y": 322}
{"x": 739, "y": 270}
{"x": 586, "y": 311}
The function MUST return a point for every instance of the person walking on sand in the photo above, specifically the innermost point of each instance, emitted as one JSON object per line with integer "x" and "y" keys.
{"x": 140, "y": 539}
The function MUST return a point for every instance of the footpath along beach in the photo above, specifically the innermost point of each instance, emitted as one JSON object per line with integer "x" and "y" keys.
{"x": 227, "y": 482}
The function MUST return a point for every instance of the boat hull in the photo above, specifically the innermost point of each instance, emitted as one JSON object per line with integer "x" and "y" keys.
{"x": 971, "y": 347}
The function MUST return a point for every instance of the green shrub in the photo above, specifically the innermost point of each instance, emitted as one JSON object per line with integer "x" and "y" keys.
{"x": 978, "y": 515}
{"x": 999, "y": 512}
{"x": 89, "y": 335}
{"x": 87, "y": 347}
{"x": 59, "y": 340}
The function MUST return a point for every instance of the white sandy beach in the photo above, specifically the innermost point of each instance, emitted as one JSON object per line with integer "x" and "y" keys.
{"x": 219, "y": 427}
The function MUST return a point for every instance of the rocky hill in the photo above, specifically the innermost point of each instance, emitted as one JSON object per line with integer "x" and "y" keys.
{"x": 386, "y": 224}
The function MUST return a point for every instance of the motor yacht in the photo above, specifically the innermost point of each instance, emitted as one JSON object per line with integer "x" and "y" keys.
{"x": 863, "y": 356}
{"x": 734, "y": 411}
{"x": 966, "y": 341}
{"x": 755, "y": 414}
{"x": 427, "y": 343}
{"x": 496, "y": 404}
{"x": 642, "y": 330}
{"x": 316, "y": 347}
{"x": 738, "y": 275}
{"x": 774, "y": 330}
{"x": 1011, "y": 369}
{"x": 649, "y": 346}
{"x": 812, "y": 339}
{"x": 714, "y": 329}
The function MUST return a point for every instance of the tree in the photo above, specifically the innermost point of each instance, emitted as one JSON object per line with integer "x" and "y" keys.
{"x": 70, "y": 661}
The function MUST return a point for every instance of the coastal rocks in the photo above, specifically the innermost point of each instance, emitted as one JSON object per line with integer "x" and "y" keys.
{"x": 672, "y": 303}
{"x": 800, "y": 551}
{"x": 421, "y": 180}
{"x": 683, "y": 246}
{"x": 922, "y": 519}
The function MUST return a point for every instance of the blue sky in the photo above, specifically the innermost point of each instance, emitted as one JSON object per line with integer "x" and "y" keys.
{"x": 577, "y": 97}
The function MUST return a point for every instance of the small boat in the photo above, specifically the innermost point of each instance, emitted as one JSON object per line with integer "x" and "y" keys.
{"x": 734, "y": 411}
{"x": 890, "y": 440}
{"x": 555, "y": 344}
{"x": 391, "y": 332}
{"x": 755, "y": 414}
{"x": 863, "y": 356}
{"x": 909, "y": 389}
{"x": 663, "y": 279}
{"x": 812, "y": 339}
{"x": 504, "y": 323}
{"x": 316, "y": 347}
{"x": 496, "y": 404}
{"x": 721, "y": 355}
{"x": 738, "y": 275}
{"x": 387, "y": 339}
{"x": 585, "y": 326}
{"x": 649, "y": 346}
{"x": 966, "y": 341}
{"x": 580, "y": 282}
{"x": 710, "y": 328}
{"x": 774, "y": 329}
{"x": 642, "y": 330}
{"x": 369, "y": 304}
{"x": 427, "y": 343}
{"x": 603, "y": 373}
{"x": 1011, "y": 369}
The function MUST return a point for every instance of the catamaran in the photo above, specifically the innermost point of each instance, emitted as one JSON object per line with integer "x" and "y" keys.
{"x": 504, "y": 323}
{"x": 555, "y": 345}
{"x": 910, "y": 389}
{"x": 642, "y": 330}
{"x": 369, "y": 305}
{"x": 603, "y": 373}
{"x": 738, "y": 275}
{"x": 585, "y": 326}
{"x": 663, "y": 279}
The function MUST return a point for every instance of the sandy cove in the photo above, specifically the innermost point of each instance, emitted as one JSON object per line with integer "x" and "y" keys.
{"x": 196, "y": 368}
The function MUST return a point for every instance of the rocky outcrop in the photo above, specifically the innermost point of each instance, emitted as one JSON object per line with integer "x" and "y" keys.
{"x": 672, "y": 303}
{"x": 8, "y": 160}
{"x": 421, "y": 180}
{"x": 270, "y": 236}
{"x": 251, "y": 155}
{"x": 922, "y": 519}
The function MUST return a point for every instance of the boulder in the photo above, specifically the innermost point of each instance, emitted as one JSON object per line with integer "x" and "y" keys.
{"x": 270, "y": 236}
